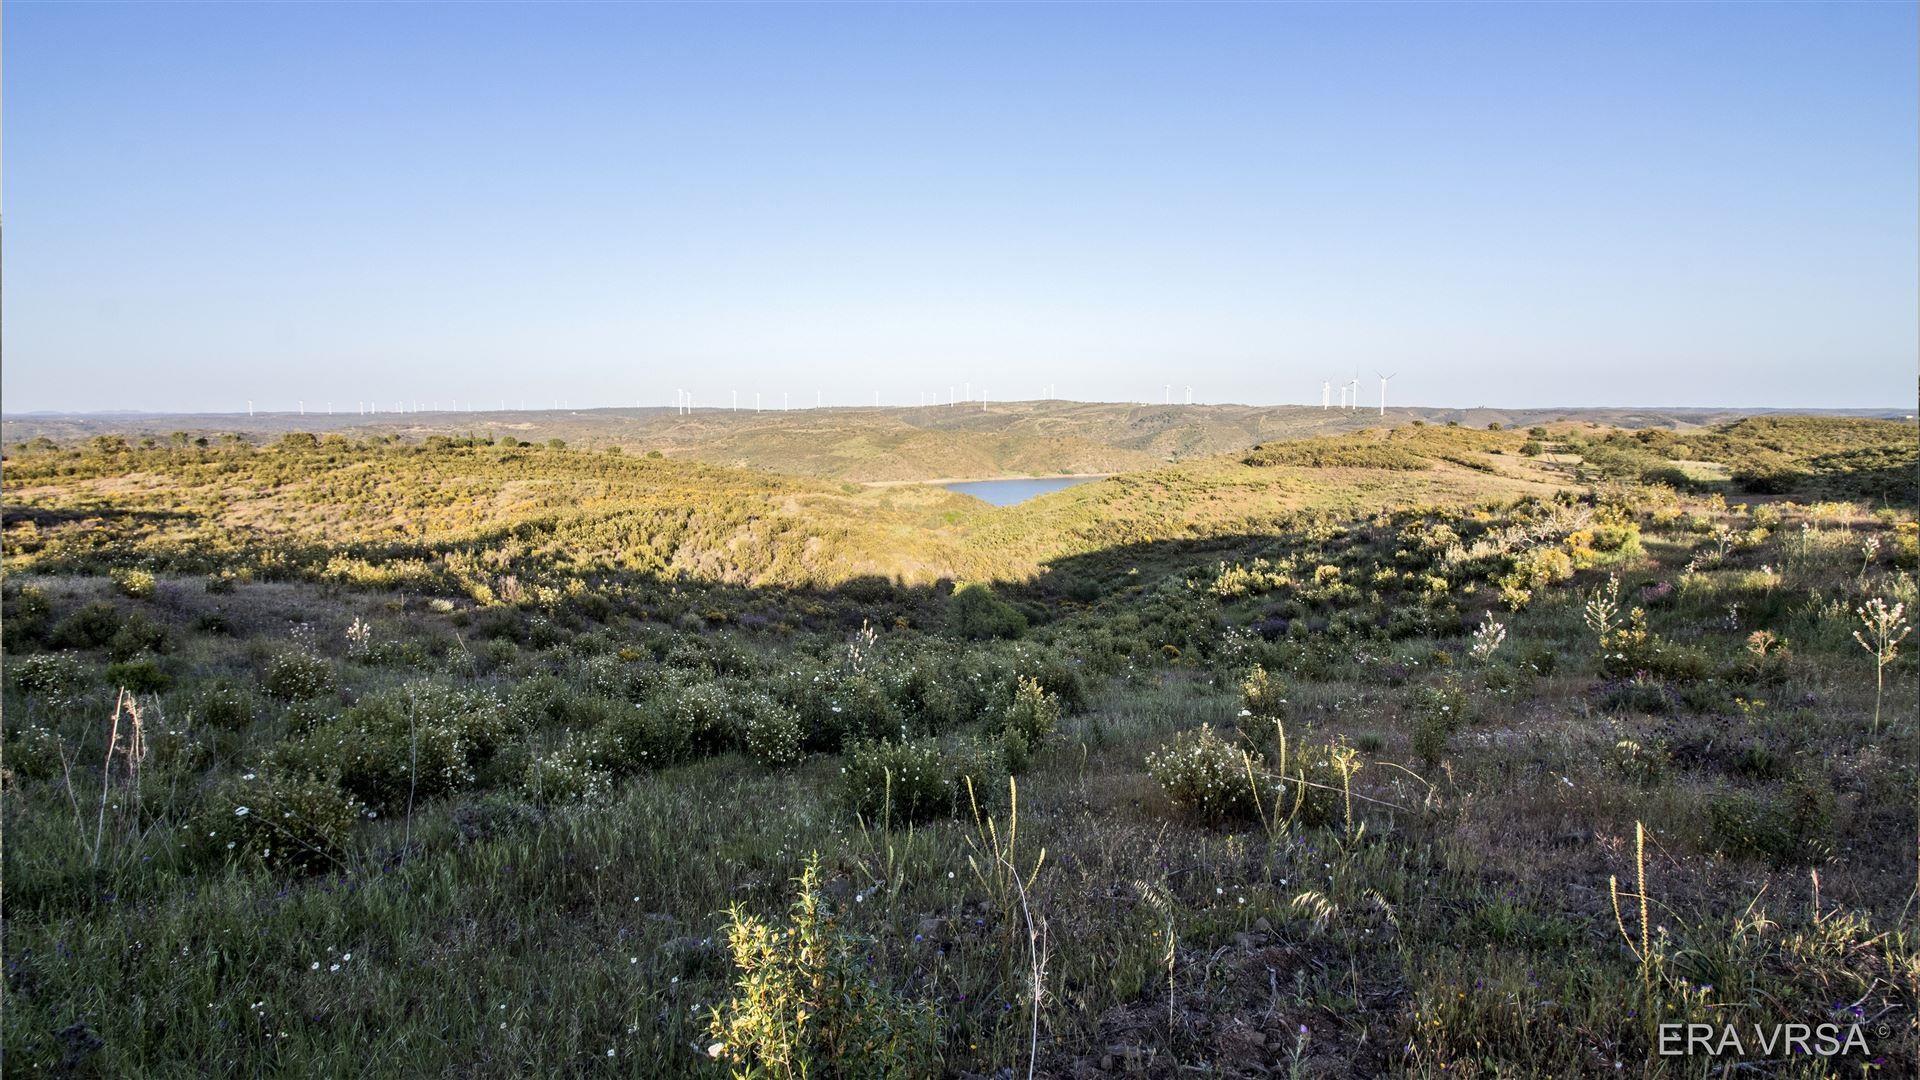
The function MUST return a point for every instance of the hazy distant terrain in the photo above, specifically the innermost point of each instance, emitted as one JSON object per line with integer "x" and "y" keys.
{"x": 970, "y": 440}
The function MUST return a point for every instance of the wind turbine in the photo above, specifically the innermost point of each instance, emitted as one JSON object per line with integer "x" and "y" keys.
{"x": 736, "y": 401}
{"x": 1383, "y": 390}
{"x": 1166, "y": 394}
{"x": 1354, "y": 400}
{"x": 1326, "y": 393}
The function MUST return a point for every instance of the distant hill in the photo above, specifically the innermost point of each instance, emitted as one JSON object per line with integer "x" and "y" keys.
{"x": 976, "y": 440}
{"x": 497, "y": 521}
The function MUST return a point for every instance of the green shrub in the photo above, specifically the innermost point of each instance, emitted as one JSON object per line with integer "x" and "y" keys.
{"x": 974, "y": 612}
{"x": 1640, "y": 693}
{"x": 137, "y": 634}
{"x": 54, "y": 678}
{"x": 1538, "y": 567}
{"x": 90, "y": 627}
{"x": 309, "y": 716}
{"x": 36, "y": 753}
{"x": 496, "y": 654}
{"x": 1794, "y": 825}
{"x": 1438, "y": 713}
{"x": 224, "y": 706}
{"x": 141, "y": 676}
{"x": 295, "y": 821}
{"x": 1051, "y": 670}
{"x": 1640, "y": 764}
{"x": 566, "y": 776}
{"x": 771, "y": 732}
{"x": 1205, "y": 776}
{"x": 1262, "y": 695}
{"x": 411, "y": 742}
{"x": 291, "y": 675}
{"x": 1016, "y": 754}
{"x": 138, "y": 584}
{"x": 698, "y": 714}
{"x": 25, "y": 612}
{"x": 612, "y": 676}
{"x": 1539, "y": 658}
{"x": 979, "y": 764}
{"x": 806, "y": 1000}
{"x": 1033, "y": 714}
{"x": 1756, "y": 759}
{"x": 630, "y": 737}
{"x": 543, "y": 701}
{"x": 897, "y": 781}
{"x": 850, "y": 708}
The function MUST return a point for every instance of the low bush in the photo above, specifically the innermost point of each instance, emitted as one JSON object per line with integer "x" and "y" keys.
{"x": 409, "y": 743}
{"x": 137, "y": 634}
{"x": 1638, "y": 763}
{"x": 25, "y": 612}
{"x": 1205, "y": 776}
{"x": 1438, "y": 713}
{"x": 897, "y": 781}
{"x": 53, "y": 678}
{"x": 771, "y": 732}
{"x": 1641, "y": 694}
{"x": 807, "y": 1002}
{"x": 1335, "y": 453}
{"x": 1263, "y": 695}
{"x": 1794, "y": 825}
{"x": 35, "y": 753}
{"x": 494, "y": 817}
{"x": 141, "y": 676}
{"x": 138, "y": 584}
{"x": 292, "y": 675}
{"x": 1032, "y": 715}
{"x": 90, "y": 627}
{"x": 974, "y": 612}
{"x": 629, "y": 737}
{"x": 293, "y": 821}
{"x": 225, "y": 706}
{"x": 566, "y": 776}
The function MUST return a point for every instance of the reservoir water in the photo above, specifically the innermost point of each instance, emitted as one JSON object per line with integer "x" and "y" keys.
{"x": 1008, "y": 492}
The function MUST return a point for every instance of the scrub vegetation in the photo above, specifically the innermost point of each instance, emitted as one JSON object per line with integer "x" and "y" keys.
{"x": 1411, "y": 750}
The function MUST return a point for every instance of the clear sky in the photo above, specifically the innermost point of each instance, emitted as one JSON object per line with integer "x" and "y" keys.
{"x": 1656, "y": 204}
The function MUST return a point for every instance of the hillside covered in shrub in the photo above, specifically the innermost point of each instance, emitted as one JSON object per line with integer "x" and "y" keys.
{"x": 514, "y": 760}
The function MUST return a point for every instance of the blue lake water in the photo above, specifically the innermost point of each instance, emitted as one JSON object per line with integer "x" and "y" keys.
{"x": 1008, "y": 492}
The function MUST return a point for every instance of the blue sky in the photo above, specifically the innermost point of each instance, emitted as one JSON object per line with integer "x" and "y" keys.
{"x": 1507, "y": 204}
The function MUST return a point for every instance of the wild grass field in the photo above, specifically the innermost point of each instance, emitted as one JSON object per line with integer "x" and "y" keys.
{"x": 1415, "y": 749}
